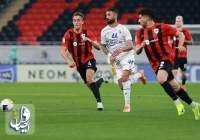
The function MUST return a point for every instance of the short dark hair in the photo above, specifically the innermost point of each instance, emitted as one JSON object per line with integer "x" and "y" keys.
{"x": 78, "y": 14}
{"x": 147, "y": 12}
{"x": 114, "y": 10}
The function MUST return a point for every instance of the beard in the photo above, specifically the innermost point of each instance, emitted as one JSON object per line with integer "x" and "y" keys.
{"x": 110, "y": 21}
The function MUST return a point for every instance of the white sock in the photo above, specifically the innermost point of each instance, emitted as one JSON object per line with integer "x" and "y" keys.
{"x": 126, "y": 92}
{"x": 177, "y": 101}
{"x": 193, "y": 104}
{"x": 134, "y": 77}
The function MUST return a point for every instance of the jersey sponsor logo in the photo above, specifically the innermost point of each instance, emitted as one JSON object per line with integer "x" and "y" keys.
{"x": 156, "y": 30}
{"x": 114, "y": 35}
{"x": 75, "y": 43}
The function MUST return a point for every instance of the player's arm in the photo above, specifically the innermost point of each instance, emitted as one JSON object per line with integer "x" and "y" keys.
{"x": 91, "y": 39}
{"x": 67, "y": 56}
{"x": 139, "y": 44}
{"x": 139, "y": 48}
{"x": 181, "y": 37}
{"x": 104, "y": 49}
{"x": 94, "y": 43}
{"x": 188, "y": 42}
{"x": 188, "y": 38}
{"x": 65, "y": 53}
{"x": 110, "y": 57}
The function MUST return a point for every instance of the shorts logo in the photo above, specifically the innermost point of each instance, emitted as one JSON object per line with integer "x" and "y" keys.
{"x": 161, "y": 64}
{"x": 130, "y": 61}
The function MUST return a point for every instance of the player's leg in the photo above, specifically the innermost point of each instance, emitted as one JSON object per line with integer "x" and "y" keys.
{"x": 138, "y": 76}
{"x": 183, "y": 67}
{"x": 175, "y": 68}
{"x": 164, "y": 75}
{"x": 185, "y": 97}
{"x": 94, "y": 87}
{"x": 126, "y": 84}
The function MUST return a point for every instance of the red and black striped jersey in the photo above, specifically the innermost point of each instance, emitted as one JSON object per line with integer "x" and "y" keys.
{"x": 80, "y": 50}
{"x": 188, "y": 37}
{"x": 157, "y": 46}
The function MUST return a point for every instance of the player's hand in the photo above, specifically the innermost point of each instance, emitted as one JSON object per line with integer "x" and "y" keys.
{"x": 84, "y": 38}
{"x": 117, "y": 52}
{"x": 182, "y": 49}
{"x": 72, "y": 64}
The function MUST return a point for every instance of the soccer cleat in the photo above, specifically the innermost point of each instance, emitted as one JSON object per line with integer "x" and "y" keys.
{"x": 180, "y": 109}
{"x": 100, "y": 106}
{"x": 143, "y": 79}
{"x": 196, "y": 111}
{"x": 183, "y": 87}
{"x": 127, "y": 109}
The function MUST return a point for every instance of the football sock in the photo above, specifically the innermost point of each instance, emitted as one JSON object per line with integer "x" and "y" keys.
{"x": 127, "y": 91}
{"x": 135, "y": 77}
{"x": 184, "y": 96}
{"x": 95, "y": 91}
{"x": 169, "y": 90}
{"x": 177, "y": 101}
{"x": 184, "y": 80}
{"x": 99, "y": 82}
{"x": 193, "y": 104}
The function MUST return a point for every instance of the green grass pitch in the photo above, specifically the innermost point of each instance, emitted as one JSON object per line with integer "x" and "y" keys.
{"x": 68, "y": 111}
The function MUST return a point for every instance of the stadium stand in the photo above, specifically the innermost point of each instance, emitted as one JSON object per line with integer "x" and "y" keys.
{"x": 4, "y": 4}
{"x": 47, "y": 20}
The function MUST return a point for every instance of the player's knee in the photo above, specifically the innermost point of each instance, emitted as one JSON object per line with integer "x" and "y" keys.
{"x": 161, "y": 80}
{"x": 89, "y": 80}
{"x": 125, "y": 78}
{"x": 176, "y": 87}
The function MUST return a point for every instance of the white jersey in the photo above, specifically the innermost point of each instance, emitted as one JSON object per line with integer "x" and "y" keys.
{"x": 116, "y": 37}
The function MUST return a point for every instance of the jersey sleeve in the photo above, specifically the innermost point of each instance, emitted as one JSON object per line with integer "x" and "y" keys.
{"x": 169, "y": 30}
{"x": 138, "y": 39}
{"x": 127, "y": 34}
{"x": 187, "y": 35}
{"x": 65, "y": 40}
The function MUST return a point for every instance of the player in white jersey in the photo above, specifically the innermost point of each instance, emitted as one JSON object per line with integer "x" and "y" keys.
{"x": 116, "y": 42}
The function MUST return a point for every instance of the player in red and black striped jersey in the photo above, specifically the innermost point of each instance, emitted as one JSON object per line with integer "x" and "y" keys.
{"x": 181, "y": 57}
{"x": 76, "y": 49}
{"x": 153, "y": 38}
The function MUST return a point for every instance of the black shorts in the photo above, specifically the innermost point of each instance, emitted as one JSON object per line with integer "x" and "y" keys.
{"x": 180, "y": 63}
{"x": 91, "y": 64}
{"x": 167, "y": 66}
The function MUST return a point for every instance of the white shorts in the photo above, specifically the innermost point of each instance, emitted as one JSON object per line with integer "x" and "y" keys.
{"x": 127, "y": 63}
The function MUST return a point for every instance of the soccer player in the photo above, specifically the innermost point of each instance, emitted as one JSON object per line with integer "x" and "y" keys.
{"x": 181, "y": 57}
{"x": 153, "y": 38}
{"x": 116, "y": 41}
{"x": 76, "y": 50}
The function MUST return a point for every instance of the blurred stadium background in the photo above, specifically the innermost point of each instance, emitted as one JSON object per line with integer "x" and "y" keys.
{"x": 31, "y": 32}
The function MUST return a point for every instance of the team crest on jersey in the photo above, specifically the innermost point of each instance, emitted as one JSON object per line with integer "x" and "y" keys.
{"x": 156, "y": 30}
{"x": 75, "y": 44}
